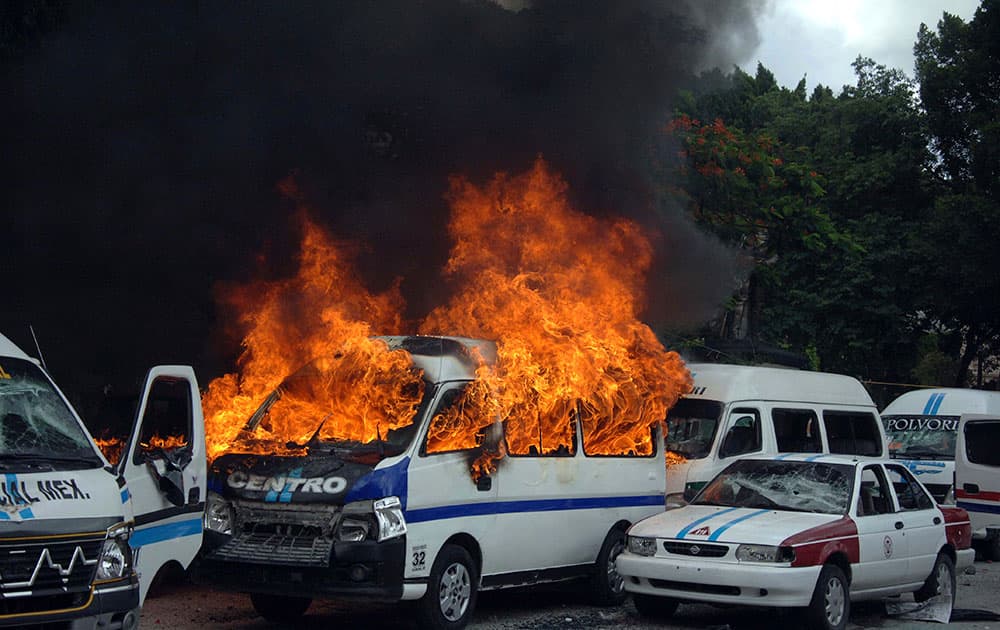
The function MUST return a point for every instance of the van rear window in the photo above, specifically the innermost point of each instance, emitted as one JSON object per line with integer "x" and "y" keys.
{"x": 981, "y": 439}
{"x": 852, "y": 433}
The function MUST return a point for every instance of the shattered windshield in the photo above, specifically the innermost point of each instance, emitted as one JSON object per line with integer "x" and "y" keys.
{"x": 691, "y": 425}
{"x": 922, "y": 437}
{"x": 36, "y": 426}
{"x": 343, "y": 405}
{"x": 781, "y": 485}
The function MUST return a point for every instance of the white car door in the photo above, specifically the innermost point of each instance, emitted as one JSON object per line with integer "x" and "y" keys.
{"x": 164, "y": 470}
{"x": 883, "y": 557}
{"x": 922, "y": 522}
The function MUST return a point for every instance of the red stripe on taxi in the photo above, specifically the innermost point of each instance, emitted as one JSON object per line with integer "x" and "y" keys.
{"x": 813, "y": 546}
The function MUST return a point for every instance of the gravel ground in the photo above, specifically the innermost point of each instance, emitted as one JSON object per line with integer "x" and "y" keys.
{"x": 184, "y": 606}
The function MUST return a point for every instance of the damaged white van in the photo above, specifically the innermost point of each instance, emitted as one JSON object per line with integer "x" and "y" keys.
{"x": 736, "y": 411}
{"x": 922, "y": 426}
{"x": 390, "y": 520}
{"x": 977, "y": 477}
{"x": 81, "y": 539}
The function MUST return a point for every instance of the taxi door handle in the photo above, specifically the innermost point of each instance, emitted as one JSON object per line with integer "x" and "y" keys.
{"x": 899, "y": 524}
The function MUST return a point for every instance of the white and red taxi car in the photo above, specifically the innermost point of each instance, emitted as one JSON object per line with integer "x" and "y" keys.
{"x": 808, "y": 531}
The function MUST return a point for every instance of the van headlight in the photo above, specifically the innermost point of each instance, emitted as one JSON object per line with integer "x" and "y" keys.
{"x": 641, "y": 545}
{"x": 764, "y": 553}
{"x": 218, "y": 514}
{"x": 382, "y": 519}
{"x": 115, "y": 561}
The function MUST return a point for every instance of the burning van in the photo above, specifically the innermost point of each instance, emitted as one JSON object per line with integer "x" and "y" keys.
{"x": 381, "y": 499}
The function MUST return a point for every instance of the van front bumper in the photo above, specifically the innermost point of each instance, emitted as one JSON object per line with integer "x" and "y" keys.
{"x": 360, "y": 569}
{"x": 109, "y": 607}
{"x": 719, "y": 582}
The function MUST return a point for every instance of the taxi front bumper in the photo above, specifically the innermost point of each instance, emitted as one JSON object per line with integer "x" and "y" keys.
{"x": 718, "y": 582}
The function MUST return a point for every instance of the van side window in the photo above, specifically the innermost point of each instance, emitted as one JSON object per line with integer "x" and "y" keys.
{"x": 981, "y": 438}
{"x": 743, "y": 435}
{"x": 909, "y": 492}
{"x": 852, "y": 432}
{"x": 450, "y": 412}
{"x": 797, "y": 431}
{"x": 601, "y": 439}
{"x": 556, "y": 439}
{"x": 166, "y": 422}
{"x": 873, "y": 494}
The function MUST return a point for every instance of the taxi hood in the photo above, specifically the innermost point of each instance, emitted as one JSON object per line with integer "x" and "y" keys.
{"x": 730, "y": 525}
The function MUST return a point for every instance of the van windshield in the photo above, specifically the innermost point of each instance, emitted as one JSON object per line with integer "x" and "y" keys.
{"x": 691, "y": 426}
{"x": 37, "y": 428}
{"x": 922, "y": 437}
{"x": 344, "y": 406}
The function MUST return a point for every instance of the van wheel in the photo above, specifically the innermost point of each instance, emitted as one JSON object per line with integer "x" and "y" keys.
{"x": 654, "y": 606}
{"x": 941, "y": 581}
{"x": 451, "y": 591}
{"x": 608, "y": 586}
{"x": 280, "y": 608}
{"x": 830, "y": 607}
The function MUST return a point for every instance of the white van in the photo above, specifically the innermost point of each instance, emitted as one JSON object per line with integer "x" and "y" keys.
{"x": 736, "y": 411}
{"x": 81, "y": 539}
{"x": 977, "y": 477}
{"x": 386, "y": 519}
{"x": 922, "y": 426}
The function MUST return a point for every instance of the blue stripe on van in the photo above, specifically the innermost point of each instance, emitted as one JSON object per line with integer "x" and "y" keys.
{"x": 422, "y": 515}
{"x": 930, "y": 404}
{"x": 684, "y": 532}
{"x": 718, "y": 532}
{"x": 160, "y": 533}
{"x": 937, "y": 404}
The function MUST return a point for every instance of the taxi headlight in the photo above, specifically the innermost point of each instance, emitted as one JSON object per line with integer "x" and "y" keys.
{"x": 218, "y": 514}
{"x": 764, "y": 553}
{"x": 641, "y": 545}
{"x": 115, "y": 561}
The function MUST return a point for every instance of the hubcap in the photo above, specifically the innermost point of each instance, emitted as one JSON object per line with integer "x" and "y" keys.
{"x": 835, "y": 600}
{"x": 615, "y": 581}
{"x": 455, "y": 591}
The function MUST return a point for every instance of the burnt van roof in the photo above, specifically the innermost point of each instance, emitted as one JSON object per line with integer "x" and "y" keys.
{"x": 445, "y": 358}
{"x": 724, "y": 382}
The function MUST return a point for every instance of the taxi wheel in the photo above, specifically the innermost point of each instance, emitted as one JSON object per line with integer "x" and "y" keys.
{"x": 941, "y": 581}
{"x": 280, "y": 608}
{"x": 830, "y": 607}
{"x": 451, "y": 591}
{"x": 607, "y": 585}
{"x": 654, "y": 606}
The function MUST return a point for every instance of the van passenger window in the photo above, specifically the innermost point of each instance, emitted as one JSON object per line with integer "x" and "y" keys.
{"x": 797, "y": 431}
{"x": 981, "y": 438}
{"x": 852, "y": 433}
{"x": 873, "y": 495}
{"x": 166, "y": 422}
{"x": 743, "y": 435}
{"x": 910, "y": 494}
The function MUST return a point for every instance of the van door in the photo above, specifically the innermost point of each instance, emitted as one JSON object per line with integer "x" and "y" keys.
{"x": 164, "y": 471}
{"x": 977, "y": 476}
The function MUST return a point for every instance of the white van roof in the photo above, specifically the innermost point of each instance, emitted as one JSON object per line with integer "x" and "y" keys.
{"x": 445, "y": 358}
{"x": 8, "y": 349}
{"x": 944, "y": 401}
{"x": 727, "y": 383}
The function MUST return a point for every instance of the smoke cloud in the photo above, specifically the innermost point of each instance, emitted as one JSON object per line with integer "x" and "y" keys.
{"x": 144, "y": 144}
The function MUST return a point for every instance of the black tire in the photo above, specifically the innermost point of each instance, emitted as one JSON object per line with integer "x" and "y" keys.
{"x": 284, "y": 609}
{"x": 607, "y": 587}
{"x": 941, "y": 581}
{"x": 451, "y": 591}
{"x": 830, "y": 607}
{"x": 654, "y": 606}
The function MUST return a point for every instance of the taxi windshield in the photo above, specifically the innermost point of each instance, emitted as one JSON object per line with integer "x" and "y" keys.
{"x": 781, "y": 485}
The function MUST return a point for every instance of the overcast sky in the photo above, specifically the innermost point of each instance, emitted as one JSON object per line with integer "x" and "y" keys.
{"x": 818, "y": 39}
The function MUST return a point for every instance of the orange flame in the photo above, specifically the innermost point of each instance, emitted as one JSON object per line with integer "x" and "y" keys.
{"x": 560, "y": 292}
{"x": 112, "y": 447}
